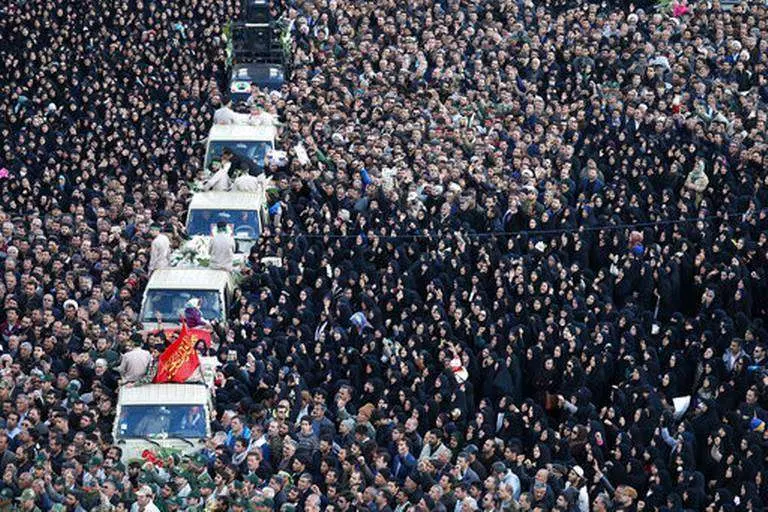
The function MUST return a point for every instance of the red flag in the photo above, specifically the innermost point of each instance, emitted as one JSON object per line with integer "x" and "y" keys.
{"x": 179, "y": 361}
{"x": 150, "y": 456}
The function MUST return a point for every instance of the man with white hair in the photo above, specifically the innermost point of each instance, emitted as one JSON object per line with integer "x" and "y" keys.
{"x": 468, "y": 504}
{"x": 144, "y": 501}
{"x": 313, "y": 503}
{"x": 102, "y": 375}
{"x": 8, "y": 230}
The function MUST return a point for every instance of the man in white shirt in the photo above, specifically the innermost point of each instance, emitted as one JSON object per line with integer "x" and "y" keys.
{"x": 733, "y": 354}
{"x": 219, "y": 180}
{"x": 144, "y": 501}
{"x": 577, "y": 481}
{"x": 225, "y": 115}
{"x": 160, "y": 255}
{"x": 222, "y": 248}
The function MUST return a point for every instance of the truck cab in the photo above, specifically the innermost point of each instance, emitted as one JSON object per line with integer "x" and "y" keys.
{"x": 169, "y": 290}
{"x": 244, "y": 76}
{"x": 245, "y": 141}
{"x": 165, "y": 416}
{"x": 242, "y": 211}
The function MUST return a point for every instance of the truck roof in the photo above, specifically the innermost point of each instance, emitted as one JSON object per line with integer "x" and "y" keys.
{"x": 252, "y": 70}
{"x": 226, "y": 201}
{"x": 242, "y": 132}
{"x": 188, "y": 279}
{"x": 164, "y": 394}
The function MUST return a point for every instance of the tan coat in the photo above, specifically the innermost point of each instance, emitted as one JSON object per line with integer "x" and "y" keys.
{"x": 134, "y": 364}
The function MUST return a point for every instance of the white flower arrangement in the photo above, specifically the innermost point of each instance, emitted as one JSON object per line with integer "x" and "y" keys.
{"x": 195, "y": 252}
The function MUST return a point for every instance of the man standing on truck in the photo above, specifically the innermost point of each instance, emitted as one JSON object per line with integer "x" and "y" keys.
{"x": 222, "y": 248}
{"x": 149, "y": 376}
{"x": 219, "y": 179}
{"x": 134, "y": 362}
{"x": 160, "y": 255}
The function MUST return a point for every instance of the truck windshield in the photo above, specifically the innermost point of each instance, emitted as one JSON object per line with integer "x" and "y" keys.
{"x": 161, "y": 421}
{"x": 170, "y": 304}
{"x": 254, "y": 150}
{"x": 244, "y": 223}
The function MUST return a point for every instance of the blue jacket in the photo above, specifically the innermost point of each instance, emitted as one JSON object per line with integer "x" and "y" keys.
{"x": 231, "y": 437}
{"x": 403, "y": 466}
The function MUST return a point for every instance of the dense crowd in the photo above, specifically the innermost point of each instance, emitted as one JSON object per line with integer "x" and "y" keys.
{"x": 523, "y": 269}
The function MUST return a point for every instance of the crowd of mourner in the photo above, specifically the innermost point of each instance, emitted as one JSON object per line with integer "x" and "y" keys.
{"x": 523, "y": 267}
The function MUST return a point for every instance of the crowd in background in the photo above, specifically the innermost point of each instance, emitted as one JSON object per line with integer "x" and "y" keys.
{"x": 525, "y": 229}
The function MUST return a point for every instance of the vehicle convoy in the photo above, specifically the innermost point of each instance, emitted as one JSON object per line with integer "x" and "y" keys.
{"x": 177, "y": 416}
{"x": 243, "y": 212}
{"x": 165, "y": 416}
{"x": 245, "y": 141}
{"x": 256, "y": 51}
{"x": 169, "y": 290}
